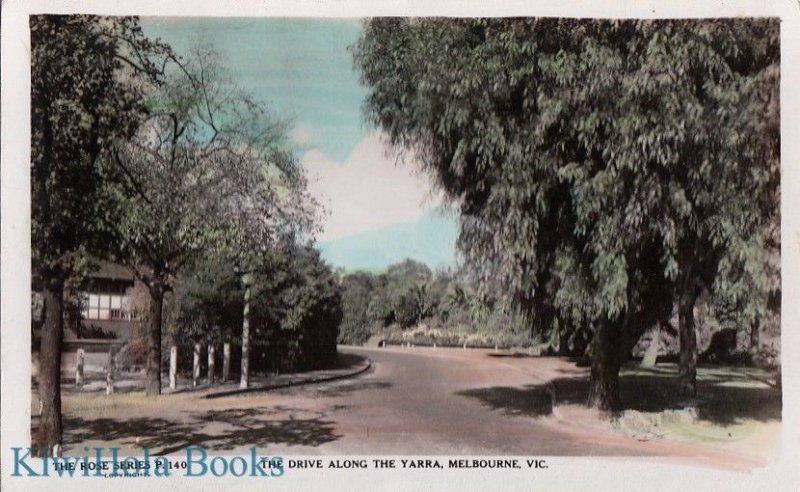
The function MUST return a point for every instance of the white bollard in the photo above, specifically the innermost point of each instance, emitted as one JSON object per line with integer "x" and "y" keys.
{"x": 210, "y": 363}
{"x": 79, "y": 361}
{"x": 196, "y": 365}
{"x": 173, "y": 367}
{"x": 226, "y": 361}
{"x": 110, "y": 372}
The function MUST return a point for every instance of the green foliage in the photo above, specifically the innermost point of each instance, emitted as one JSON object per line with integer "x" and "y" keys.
{"x": 409, "y": 303}
{"x": 356, "y": 293}
{"x": 206, "y": 304}
{"x": 208, "y": 172}
{"x": 88, "y": 78}
{"x": 602, "y": 168}
{"x": 295, "y": 308}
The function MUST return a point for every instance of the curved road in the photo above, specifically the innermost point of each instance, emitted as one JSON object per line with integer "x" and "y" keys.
{"x": 417, "y": 401}
{"x": 445, "y": 401}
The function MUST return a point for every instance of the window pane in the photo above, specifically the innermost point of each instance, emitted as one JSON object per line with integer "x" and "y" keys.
{"x": 116, "y": 302}
{"x": 94, "y": 300}
{"x": 104, "y": 313}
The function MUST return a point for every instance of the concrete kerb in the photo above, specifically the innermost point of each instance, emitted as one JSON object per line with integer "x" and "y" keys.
{"x": 269, "y": 387}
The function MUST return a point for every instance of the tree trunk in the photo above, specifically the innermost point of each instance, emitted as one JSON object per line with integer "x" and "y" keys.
{"x": 604, "y": 377}
{"x": 651, "y": 354}
{"x": 49, "y": 434}
{"x": 153, "y": 383}
{"x": 687, "y": 376}
{"x": 755, "y": 336}
{"x": 244, "y": 382}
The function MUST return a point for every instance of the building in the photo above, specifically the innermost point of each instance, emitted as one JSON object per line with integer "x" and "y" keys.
{"x": 105, "y": 307}
{"x": 102, "y": 319}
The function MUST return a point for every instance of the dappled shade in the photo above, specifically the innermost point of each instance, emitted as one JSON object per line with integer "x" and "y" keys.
{"x": 236, "y": 428}
{"x": 724, "y": 397}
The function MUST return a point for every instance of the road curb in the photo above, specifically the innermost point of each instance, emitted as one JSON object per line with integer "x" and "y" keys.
{"x": 269, "y": 387}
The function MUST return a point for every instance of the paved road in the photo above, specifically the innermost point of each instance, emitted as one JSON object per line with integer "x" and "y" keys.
{"x": 411, "y": 402}
{"x": 445, "y": 401}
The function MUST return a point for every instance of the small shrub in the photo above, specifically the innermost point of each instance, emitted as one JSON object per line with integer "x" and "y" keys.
{"x": 133, "y": 355}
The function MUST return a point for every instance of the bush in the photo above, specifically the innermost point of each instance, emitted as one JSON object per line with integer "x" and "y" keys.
{"x": 295, "y": 310}
{"x": 132, "y": 356}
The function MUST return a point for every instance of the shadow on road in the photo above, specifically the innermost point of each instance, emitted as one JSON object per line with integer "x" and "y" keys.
{"x": 349, "y": 386}
{"x": 349, "y": 361}
{"x": 228, "y": 429}
{"x": 722, "y": 398}
{"x": 218, "y": 430}
{"x": 342, "y": 387}
{"x": 514, "y": 355}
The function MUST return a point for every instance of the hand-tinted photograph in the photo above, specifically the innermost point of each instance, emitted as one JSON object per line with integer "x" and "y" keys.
{"x": 406, "y": 236}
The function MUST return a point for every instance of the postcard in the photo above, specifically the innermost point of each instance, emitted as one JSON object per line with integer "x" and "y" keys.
{"x": 352, "y": 246}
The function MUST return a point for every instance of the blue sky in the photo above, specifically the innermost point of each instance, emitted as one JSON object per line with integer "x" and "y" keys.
{"x": 379, "y": 212}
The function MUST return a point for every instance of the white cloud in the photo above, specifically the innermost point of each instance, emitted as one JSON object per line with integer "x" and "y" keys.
{"x": 302, "y": 135}
{"x": 369, "y": 190}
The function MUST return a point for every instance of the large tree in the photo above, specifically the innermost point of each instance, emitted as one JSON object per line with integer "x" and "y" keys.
{"x": 209, "y": 171}
{"x": 87, "y": 80}
{"x": 714, "y": 110}
{"x": 600, "y": 167}
{"x": 357, "y": 290}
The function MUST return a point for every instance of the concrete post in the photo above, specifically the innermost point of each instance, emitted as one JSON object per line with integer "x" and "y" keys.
{"x": 226, "y": 361}
{"x": 211, "y": 363}
{"x": 79, "y": 367}
{"x": 196, "y": 365}
{"x": 110, "y": 372}
{"x": 173, "y": 367}
{"x": 651, "y": 353}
